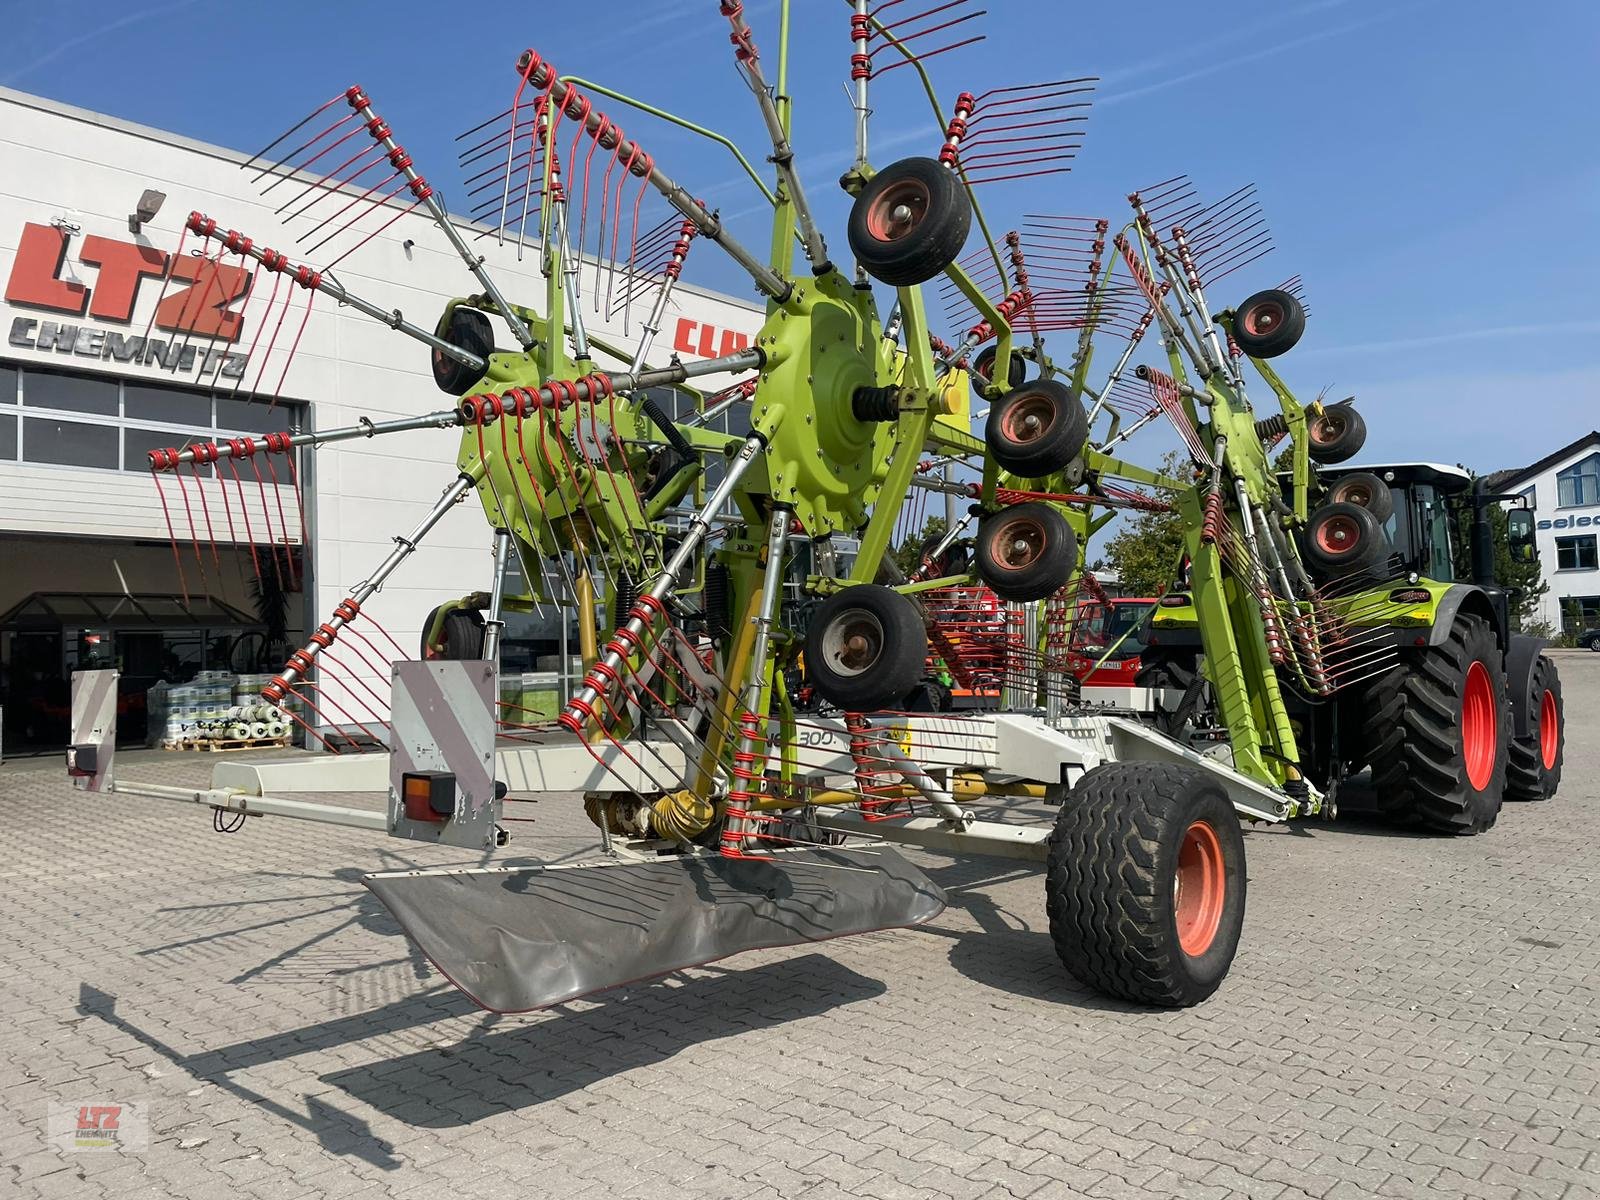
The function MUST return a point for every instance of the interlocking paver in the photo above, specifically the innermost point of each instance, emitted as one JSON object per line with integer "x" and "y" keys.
{"x": 1407, "y": 1017}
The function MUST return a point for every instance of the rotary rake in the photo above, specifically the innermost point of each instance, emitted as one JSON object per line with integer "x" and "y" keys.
{"x": 723, "y": 808}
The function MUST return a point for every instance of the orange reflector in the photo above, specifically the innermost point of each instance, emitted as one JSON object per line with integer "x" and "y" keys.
{"x": 428, "y": 795}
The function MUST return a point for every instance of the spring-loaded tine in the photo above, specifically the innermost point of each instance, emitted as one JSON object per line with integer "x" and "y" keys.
{"x": 499, "y": 116}
{"x": 296, "y": 152}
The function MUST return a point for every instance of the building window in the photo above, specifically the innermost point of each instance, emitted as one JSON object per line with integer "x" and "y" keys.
{"x": 99, "y": 422}
{"x": 1576, "y": 553}
{"x": 1580, "y": 613}
{"x": 1579, "y": 483}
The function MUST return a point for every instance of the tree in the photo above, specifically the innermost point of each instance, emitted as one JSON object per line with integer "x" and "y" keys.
{"x": 1523, "y": 580}
{"x": 1145, "y": 552}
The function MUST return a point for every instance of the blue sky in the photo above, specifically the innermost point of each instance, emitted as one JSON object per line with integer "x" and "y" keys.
{"x": 1428, "y": 166}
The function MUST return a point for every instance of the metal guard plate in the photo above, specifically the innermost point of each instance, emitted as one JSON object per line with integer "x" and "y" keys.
{"x": 516, "y": 939}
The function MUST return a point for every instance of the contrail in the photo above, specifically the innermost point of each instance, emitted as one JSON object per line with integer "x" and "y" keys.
{"x": 73, "y": 43}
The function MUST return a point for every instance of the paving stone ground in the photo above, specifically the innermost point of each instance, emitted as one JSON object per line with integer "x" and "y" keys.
{"x": 1406, "y": 1017}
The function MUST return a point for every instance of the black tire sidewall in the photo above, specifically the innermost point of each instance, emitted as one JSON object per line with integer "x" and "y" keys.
{"x": 1373, "y": 548}
{"x": 1046, "y": 574}
{"x": 1278, "y": 341}
{"x": 1384, "y": 506}
{"x": 469, "y": 330}
{"x": 1062, "y": 441}
{"x": 900, "y": 663}
{"x": 1347, "y": 445}
{"x": 929, "y": 248}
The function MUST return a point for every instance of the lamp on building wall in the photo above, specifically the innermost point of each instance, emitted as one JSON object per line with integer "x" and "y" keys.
{"x": 149, "y": 206}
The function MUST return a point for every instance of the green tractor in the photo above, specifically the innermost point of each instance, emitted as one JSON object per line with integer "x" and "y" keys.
{"x": 1459, "y": 712}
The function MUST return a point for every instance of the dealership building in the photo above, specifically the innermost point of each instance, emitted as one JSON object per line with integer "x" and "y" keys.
{"x": 120, "y": 338}
{"x": 1564, "y": 489}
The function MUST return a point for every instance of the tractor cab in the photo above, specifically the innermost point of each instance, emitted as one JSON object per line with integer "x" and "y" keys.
{"x": 1418, "y": 511}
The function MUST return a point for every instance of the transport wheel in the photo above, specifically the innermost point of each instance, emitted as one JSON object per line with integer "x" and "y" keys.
{"x": 1367, "y": 490}
{"x": 866, "y": 648}
{"x": 1343, "y": 539}
{"x": 1338, "y": 434}
{"x": 910, "y": 221}
{"x": 468, "y": 329}
{"x": 1036, "y": 429}
{"x": 983, "y": 368}
{"x": 1438, "y": 731}
{"x": 460, "y": 637}
{"x": 1533, "y": 766}
{"x": 1026, "y": 551}
{"x": 1269, "y": 323}
{"x": 1145, "y": 882}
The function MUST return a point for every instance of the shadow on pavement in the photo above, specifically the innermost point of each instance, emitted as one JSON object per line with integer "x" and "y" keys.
{"x": 508, "y": 1064}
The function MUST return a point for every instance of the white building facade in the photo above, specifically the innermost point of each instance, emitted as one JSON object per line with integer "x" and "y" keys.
{"x": 117, "y": 342}
{"x": 1564, "y": 489}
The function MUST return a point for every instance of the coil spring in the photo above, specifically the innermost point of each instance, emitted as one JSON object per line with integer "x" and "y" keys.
{"x": 627, "y": 596}
{"x": 1211, "y": 524}
{"x": 719, "y": 616}
{"x": 1272, "y": 427}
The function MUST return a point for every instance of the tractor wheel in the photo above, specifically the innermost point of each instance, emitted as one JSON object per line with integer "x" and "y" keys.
{"x": 983, "y": 368}
{"x": 1533, "y": 768}
{"x": 1269, "y": 323}
{"x": 460, "y": 637}
{"x": 929, "y": 696}
{"x": 1345, "y": 539}
{"x": 1174, "y": 670}
{"x": 469, "y": 330}
{"x": 1036, "y": 429}
{"x": 910, "y": 221}
{"x": 1365, "y": 489}
{"x": 1438, "y": 732}
{"x": 1026, "y": 551}
{"x": 1145, "y": 882}
{"x": 1338, "y": 434}
{"x": 866, "y": 648}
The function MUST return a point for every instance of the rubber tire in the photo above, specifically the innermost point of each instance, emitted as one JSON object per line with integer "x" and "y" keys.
{"x": 1047, "y": 573}
{"x": 1109, "y": 882}
{"x": 1413, "y": 734}
{"x": 929, "y": 246}
{"x": 1284, "y": 335}
{"x": 983, "y": 369}
{"x": 1058, "y": 444}
{"x": 462, "y": 634}
{"x": 469, "y": 330}
{"x": 1527, "y": 777}
{"x": 902, "y": 657}
{"x": 1372, "y": 547}
{"x": 1379, "y": 499}
{"x": 1175, "y": 669}
{"x": 1345, "y": 439}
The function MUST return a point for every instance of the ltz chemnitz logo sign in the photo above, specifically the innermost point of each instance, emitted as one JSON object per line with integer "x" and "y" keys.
{"x": 99, "y": 1125}
{"x": 199, "y": 302}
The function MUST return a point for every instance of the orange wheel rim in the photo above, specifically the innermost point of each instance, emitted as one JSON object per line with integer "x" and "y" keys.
{"x": 1263, "y": 318}
{"x": 1549, "y": 729}
{"x": 1199, "y": 889}
{"x": 898, "y": 209}
{"x": 1479, "y": 726}
{"x": 1338, "y": 535}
